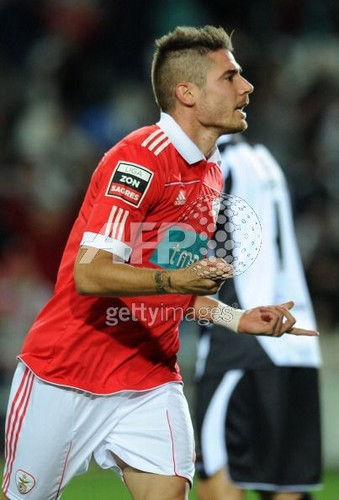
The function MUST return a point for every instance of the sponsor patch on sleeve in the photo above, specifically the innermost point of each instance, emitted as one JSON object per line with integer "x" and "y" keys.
{"x": 129, "y": 182}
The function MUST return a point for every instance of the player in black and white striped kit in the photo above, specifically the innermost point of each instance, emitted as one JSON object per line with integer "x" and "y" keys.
{"x": 257, "y": 398}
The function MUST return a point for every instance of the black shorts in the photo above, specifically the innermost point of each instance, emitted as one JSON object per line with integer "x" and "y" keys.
{"x": 263, "y": 426}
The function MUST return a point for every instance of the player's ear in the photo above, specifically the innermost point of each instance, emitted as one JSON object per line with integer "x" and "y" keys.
{"x": 185, "y": 93}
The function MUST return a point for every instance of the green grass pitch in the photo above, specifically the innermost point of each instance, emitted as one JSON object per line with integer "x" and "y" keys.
{"x": 105, "y": 485}
{"x": 98, "y": 484}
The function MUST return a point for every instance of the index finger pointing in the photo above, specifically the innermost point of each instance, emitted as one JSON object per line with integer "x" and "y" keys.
{"x": 302, "y": 331}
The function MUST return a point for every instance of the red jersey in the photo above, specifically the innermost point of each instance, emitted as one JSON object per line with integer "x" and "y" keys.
{"x": 137, "y": 206}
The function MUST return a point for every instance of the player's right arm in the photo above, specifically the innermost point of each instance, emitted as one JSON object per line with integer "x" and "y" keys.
{"x": 101, "y": 273}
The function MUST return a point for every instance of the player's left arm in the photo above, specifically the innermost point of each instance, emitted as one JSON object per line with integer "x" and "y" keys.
{"x": 274, "y": 320}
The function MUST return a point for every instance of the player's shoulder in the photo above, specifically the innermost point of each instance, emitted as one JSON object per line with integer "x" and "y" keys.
{"x": 138, "y": 156}
{"x": 148, "y": 143}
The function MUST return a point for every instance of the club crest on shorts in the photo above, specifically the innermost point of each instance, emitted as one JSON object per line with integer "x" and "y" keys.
{"x": 25, "y": 482}
{"x": 129, "y": 182}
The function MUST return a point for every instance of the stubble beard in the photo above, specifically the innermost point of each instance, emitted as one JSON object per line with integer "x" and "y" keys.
{"x": 234, "y": 128}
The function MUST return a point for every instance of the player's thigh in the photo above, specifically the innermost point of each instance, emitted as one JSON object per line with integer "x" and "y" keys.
{"x": 145, "y": 486}
{"x": 50, "y": 435}
{"x": 153, "y": 434}
{"x": 36, "y": 449}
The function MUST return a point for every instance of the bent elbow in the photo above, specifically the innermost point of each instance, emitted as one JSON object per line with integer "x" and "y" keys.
{"x": 81, "y": 289}
{"x": 81, "y": 284}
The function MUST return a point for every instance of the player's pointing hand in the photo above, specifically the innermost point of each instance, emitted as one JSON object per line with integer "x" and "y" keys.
{"x": 271, "y": 320}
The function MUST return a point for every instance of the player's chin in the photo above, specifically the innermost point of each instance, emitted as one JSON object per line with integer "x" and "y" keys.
{"x": 243, "y": 125}
{"x": 238, "y": 126}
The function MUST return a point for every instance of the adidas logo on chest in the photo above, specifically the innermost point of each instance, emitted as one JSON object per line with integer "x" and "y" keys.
{"x": 181, "y": 198}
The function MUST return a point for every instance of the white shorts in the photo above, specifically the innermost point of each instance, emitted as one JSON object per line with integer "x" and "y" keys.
{"x": 52, "y": 433}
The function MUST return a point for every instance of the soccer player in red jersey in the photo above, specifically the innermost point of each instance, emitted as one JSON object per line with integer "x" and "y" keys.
{"x": 97, "y": 374}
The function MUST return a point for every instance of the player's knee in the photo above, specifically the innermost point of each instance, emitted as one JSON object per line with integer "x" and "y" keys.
{"x": 267, "y": 495}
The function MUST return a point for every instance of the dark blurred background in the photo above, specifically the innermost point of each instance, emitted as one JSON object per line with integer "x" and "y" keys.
{"x": 75, "y": 78}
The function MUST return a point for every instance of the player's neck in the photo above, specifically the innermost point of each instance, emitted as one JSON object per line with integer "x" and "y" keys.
{"x": 204, "y": 138}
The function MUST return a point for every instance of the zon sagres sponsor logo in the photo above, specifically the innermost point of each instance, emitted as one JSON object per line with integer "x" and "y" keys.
{"x": 129, "y": 182}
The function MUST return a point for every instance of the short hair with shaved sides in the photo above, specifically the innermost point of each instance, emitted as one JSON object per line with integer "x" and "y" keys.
{"x": 180, "y": 56}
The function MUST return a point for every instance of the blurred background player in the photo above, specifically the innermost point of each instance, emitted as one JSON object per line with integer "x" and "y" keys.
{"x": 257, "y": 400}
